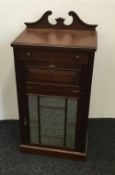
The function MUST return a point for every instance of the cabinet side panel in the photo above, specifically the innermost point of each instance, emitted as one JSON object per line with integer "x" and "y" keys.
{"x": 83, "y": 110}
{"x": 22, "y": 99}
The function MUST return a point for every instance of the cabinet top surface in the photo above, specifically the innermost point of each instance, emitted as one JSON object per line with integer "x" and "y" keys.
{"x": 43, "y": 34}
{"x": 57, "y": 38}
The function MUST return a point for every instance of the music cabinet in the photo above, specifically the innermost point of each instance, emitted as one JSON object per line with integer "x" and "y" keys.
{"x": 54, "y": 64}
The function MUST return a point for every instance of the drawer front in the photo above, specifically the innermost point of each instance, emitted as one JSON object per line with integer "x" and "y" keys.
{"x": 52, "y": 75}
{"x": 63, "y": 58}
{"x": 52, "y": 89}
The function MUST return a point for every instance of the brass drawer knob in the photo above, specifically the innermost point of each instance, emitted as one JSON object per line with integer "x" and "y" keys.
{"x": 28, "y": 54}
{"x": 51, "y": 67}
{"x": 77, "y": 57}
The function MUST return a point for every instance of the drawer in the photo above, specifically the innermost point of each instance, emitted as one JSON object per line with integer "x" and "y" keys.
{"x": 52, "y": 75}
{"x": 63, "y": 58}
{"x": 52, "y": 89}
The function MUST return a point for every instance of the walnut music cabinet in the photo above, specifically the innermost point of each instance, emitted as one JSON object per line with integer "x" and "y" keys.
{"x": 54, "y": 65}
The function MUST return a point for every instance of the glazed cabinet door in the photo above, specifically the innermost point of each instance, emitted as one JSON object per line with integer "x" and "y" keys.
{"x": 52, "y": 120}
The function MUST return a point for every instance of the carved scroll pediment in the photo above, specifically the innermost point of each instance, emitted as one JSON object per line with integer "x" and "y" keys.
{"x": 77, "y": 23}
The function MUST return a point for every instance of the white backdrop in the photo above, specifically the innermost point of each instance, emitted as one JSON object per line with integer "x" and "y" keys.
{"x": 14, "y": 13}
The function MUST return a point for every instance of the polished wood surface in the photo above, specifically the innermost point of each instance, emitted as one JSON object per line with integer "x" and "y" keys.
{"x": 62, "y": 59}
{"x": 51, "y": 89}
{"x": 57, "y": 38}
{"x": 55, "y": 60}
{"x": 42, "y": 33}
{"x": 52, "y": 75}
